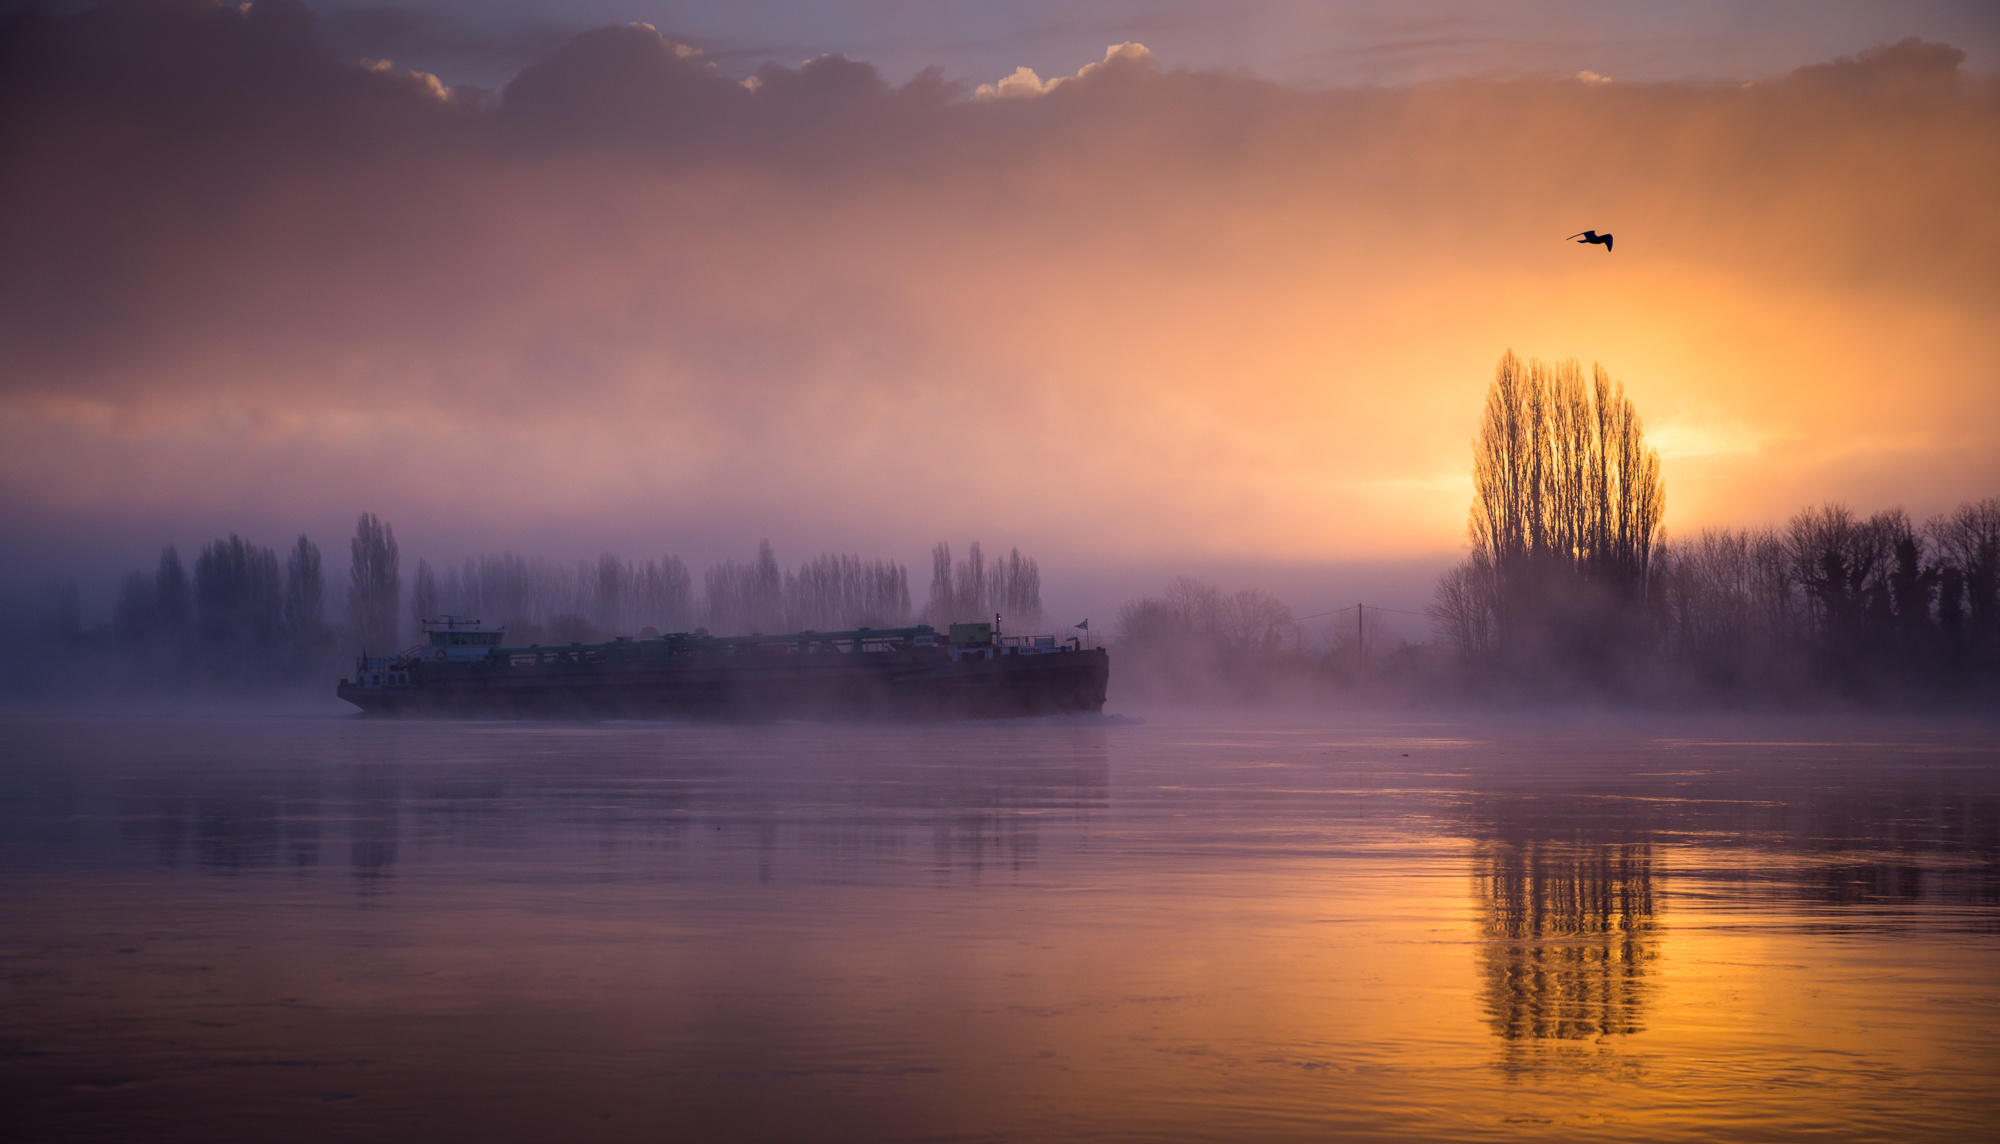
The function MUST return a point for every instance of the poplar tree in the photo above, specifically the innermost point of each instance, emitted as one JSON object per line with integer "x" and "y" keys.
{"x": 374, "y": 587}
{"x": 1566, "y": 511}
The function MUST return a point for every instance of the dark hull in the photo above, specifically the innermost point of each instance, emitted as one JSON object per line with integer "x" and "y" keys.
{"x": 899, "y": 685}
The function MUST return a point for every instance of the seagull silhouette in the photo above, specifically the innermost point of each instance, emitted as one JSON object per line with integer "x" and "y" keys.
{"x": 1593, "y": 236}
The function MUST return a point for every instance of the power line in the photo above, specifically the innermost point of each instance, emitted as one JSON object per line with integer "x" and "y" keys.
{"x": 1351, "y": 607}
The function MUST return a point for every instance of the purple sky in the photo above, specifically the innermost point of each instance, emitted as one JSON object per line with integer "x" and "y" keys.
{"x": 1311, "y": 43}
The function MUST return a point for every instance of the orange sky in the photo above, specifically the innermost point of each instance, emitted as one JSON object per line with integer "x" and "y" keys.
{"x": 1147, "y": 316}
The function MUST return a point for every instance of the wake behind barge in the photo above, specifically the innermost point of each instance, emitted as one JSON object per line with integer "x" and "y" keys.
{"x": 972, "y": 672}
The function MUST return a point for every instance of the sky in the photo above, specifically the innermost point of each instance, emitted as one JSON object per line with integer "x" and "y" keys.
{"x": 1314, "y": 44}
{"x": 1139, "y": 288}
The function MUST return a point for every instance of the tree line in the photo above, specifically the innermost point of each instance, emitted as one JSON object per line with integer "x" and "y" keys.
{"x": 550, "y": 601}
{"x": 972, "y": 590}
{"x": 1875, "y": 605}
{"x": 1571, "y": 581}
{"x": 1196, "y": 640}
{"x": 244, "y": 613}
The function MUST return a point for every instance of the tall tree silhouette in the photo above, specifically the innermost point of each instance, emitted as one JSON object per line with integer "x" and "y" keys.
{"x": 304, "y": 611}
{"x": 975, "y": 589}
{"x": 239, "y": 607}
{"x": 1969, "y": 538}
{"x": 305, "y": 587}
{"x": 745, "y": 598}
{"x": 374, "y": 587}
{"x": 1566, "y": 513}
{"x": 423, "y": 594}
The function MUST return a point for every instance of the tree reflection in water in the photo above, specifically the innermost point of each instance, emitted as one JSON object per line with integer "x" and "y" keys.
{"x": 1569, "y": 932}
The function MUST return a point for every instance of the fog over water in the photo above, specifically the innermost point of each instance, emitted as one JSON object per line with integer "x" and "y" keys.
{"x": 1169, "y": 927}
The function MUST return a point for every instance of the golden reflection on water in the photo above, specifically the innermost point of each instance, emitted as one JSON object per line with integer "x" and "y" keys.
{"x": 1569, "y": 933}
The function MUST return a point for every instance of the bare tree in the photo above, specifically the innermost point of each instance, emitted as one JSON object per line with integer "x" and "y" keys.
{"x": 304, "y": 607}
{"x": 833, "y": 592}
{"x": 238, "y": 607}
{"x": 973, "y": 589}
{"x": 1969, "y": 541}
{"x": 374, "y": 587}
{"x": 1195, "y": 638}
{"x": 423, "y": 594}
{"x": 613, "y": 580}
{"x": 1018, "y": 592}
{"x": 745, "y": 598}
{"x": 969, "y": 590}
{"x": 1566, "y": 511}
{"x": 1463, "y": 608}
{"x": 942, "y": 605}
{"x": 305, "y": 588}
{"x": 666, "y": 595}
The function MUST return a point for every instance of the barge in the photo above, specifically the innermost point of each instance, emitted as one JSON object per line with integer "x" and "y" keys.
{"x": 969, "y": 671}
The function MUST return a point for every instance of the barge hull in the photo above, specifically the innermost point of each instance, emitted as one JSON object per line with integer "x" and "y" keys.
{"x": 891, "y": 686}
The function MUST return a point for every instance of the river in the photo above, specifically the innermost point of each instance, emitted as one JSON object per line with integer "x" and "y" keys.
{"x": 303, "y": 926}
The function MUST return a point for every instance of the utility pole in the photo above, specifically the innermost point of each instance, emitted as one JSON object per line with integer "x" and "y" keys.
{"x": 1360, "y": 636}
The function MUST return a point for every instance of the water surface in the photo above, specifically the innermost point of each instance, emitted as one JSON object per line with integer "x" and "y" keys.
{"x": 1232, "y": 928}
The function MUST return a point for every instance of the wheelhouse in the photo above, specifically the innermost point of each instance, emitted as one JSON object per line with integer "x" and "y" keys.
{"x": 449, "y": 639}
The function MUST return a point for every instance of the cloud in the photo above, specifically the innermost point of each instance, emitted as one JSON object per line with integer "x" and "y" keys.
{"x": 422, "y": 82}
{"x": 1022, "y": 82}
{"x": 1128, "y": 57}
{"x": 615, "y": 80}
{"x": 1161, "y": 311}
{"x": 1907, "y": 64}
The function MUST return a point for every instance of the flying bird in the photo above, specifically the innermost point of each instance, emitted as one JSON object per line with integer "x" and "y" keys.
{"x": 1593, "y": 236}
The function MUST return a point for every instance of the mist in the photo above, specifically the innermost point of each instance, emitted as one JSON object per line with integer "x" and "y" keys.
{"x": 1144, "y": 321}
